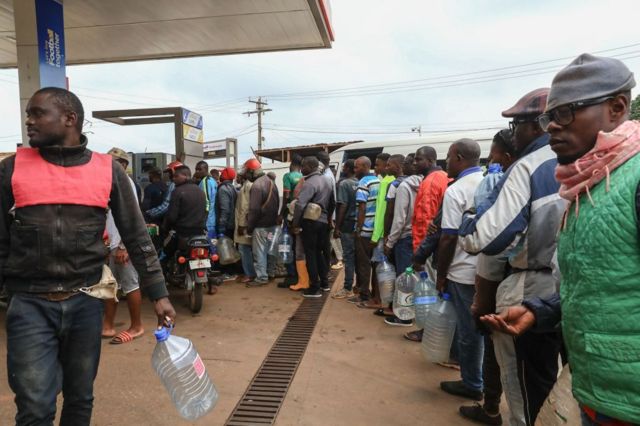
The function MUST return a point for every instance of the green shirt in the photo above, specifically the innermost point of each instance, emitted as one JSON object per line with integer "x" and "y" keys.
{"x": 381, "y": 208}
{"x": 289, "y": 182}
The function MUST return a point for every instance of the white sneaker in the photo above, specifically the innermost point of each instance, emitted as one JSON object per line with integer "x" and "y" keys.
{"x": 337, "y": 266}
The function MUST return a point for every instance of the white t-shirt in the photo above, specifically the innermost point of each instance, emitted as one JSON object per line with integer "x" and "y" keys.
{"x": 457, "y": 199}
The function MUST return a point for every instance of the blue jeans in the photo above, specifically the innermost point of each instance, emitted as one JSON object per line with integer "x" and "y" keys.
{"x": 53, "y": 346}
{"x": 246, "y": 256}
{"x": 403, "y": 254}
{"x": 349, "y": 258}
{"x": 470, "y": 342}
{"x": 260, "y": 252}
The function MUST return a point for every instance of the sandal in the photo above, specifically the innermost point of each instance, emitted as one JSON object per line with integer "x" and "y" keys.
{"x": 369, "y": 304}
{"x": 382, "y": 313}
{"x": 124, "y": 337}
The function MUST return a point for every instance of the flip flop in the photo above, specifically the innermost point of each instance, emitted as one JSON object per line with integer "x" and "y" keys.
{"x": 366, "y": 305}
{"x": 124, "y": 337}
{"x": 105, "y": 336}
{"x": 380, "y": 312}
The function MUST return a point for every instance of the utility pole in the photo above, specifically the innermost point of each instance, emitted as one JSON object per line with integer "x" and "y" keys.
{"x": 260, "y": 104}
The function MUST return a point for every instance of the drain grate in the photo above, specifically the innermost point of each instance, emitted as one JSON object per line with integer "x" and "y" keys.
{"x": 263, "y": 398}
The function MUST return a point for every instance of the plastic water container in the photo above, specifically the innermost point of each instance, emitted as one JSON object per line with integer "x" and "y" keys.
{"x": 386, "y": 275}
{"x": 273, "y": 238}
{"x": 439, "y": 329}
{"x": 378, "y": 252}
{"x": 183, "y": 374}
{"x": 425, "y": 297}
{"x": 284, "y": 248}
{"x": 494, "y": 174}
{"x": 227, "y": 252}
{"x": 403, "y": 295}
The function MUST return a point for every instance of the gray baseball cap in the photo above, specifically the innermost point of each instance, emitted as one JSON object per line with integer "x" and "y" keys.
{"x": 589, "y": 77}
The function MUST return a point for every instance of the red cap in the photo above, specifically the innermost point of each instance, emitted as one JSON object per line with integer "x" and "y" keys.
{"x": 173, "y": 166}
{"x": 228, "y": 173}
{"x": 252, "y": 164}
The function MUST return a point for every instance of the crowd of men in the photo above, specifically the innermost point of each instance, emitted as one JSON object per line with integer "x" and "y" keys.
{"x": 541, "y": 261}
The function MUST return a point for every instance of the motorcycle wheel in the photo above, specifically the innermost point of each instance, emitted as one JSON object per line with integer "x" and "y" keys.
{"x": 195, "y": 295}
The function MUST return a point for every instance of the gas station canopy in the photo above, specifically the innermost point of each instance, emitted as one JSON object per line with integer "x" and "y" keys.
{"x": 98, "y": 31}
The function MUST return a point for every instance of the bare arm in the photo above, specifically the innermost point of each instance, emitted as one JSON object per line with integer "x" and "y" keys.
{"x": 446, "y": 251}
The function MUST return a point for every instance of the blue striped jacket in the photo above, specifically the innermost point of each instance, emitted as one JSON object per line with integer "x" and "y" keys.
{"x": 520, "y": 220}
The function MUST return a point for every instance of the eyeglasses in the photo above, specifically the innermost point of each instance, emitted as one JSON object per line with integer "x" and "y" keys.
{"x": 565, "y": 114}
{"x": 520, "y": 120}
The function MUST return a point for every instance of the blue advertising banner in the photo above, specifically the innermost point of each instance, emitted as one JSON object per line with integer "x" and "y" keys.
{"x": 50, "y": 23}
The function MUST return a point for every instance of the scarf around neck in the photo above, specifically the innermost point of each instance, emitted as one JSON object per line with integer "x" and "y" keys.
{"x": 611, "y": 151}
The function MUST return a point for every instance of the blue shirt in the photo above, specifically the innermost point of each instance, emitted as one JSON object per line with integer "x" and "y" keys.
{"x": 367, "y": 192}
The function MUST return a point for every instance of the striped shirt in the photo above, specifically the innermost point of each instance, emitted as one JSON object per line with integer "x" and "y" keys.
{"x": 367, "y": 192}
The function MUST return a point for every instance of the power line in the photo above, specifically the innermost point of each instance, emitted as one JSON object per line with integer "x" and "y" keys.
{"x": 260, "y": 110}
{"x": 336, "y": 132}
{"x": 449, "y": 76}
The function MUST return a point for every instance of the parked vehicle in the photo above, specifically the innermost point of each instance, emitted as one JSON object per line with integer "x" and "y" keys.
{"x": 190, "y": 268}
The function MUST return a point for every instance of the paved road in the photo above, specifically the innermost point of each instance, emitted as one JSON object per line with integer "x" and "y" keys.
{"x": 356, "y": 371}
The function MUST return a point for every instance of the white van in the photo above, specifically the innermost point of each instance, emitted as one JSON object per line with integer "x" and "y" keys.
{"x": 440, "y": 143}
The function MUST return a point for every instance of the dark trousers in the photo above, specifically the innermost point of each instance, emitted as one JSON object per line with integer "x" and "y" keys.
{"x": 537, "y": 355}
{"x": 53, "y": 346}
{"x": 491, "y": 378}
{"x": 315, "y": 240}
{"x": 292, "y": 272}
{"x": 364, "y": 250}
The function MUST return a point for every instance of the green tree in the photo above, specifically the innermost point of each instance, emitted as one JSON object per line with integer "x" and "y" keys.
{"x": 635, "y": 109}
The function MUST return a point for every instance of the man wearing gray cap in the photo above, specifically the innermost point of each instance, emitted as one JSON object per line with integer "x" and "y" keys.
{"x": 587, "y": 116}
{"x": 518, "y": 222}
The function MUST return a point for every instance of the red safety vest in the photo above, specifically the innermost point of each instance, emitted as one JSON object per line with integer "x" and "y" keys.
{"x": 35, "y": 181}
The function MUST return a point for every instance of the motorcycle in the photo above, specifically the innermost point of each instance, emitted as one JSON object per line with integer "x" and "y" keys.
{"x": 189, "y": 269}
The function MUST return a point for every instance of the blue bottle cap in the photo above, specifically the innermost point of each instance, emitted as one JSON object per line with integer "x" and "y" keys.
{"x": 162, "y": 334}
{"x": 220, "y": 235}
{"x": 446, "y": 296}
{"x": 424, "y": 275}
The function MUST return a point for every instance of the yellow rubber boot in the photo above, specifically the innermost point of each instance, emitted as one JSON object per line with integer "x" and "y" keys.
{"x": 303, "y": 276}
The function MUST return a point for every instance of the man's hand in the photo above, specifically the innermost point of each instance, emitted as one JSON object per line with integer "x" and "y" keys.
{"x": 122, "y": 256}
{"x": 441, "y": 284}
{"x": 242, "y": 230}
{"x": 374, "y": 245}
{"x": 514, "y": 321}
{"x": 336, "y": 233}
{"x": 279, "y": 220}
{"x": 433, "y": 228}
{"x": 296, "y": 230}
{"x": 331, "y": 224}
{"x": 387, "y": 251}
{"x": 165, "y": 312}
{"x": 418, "y": 266}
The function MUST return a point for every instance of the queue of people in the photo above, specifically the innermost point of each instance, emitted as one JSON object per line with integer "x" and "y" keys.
{"x": 540, "y": 256}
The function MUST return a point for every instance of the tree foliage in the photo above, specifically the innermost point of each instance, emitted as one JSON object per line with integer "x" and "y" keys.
{"x": 635, "y": 109}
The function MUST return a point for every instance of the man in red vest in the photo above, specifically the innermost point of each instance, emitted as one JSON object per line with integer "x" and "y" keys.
{"x": 52, "y": 252}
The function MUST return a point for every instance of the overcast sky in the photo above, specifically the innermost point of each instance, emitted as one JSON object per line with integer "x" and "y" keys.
{"x": 377, "y": 42}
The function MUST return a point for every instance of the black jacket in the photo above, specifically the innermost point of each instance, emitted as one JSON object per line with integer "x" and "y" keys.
{"x": 51, "y": 248}
{"x": 187, "y": 213}
{"x": 226, "y": 207}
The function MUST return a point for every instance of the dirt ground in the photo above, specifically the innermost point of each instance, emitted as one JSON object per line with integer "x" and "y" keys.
{"x": 356, "y": 371}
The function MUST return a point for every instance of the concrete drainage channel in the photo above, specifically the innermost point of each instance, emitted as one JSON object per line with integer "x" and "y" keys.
{"x": 263, "y": 398}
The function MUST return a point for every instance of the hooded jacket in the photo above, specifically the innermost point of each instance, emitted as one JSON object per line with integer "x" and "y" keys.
{"x": 225, "y": 207}
{"x": 58, "y": 247}
{"x": 428, "y": 202}
{"x": 403, "y": 209}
